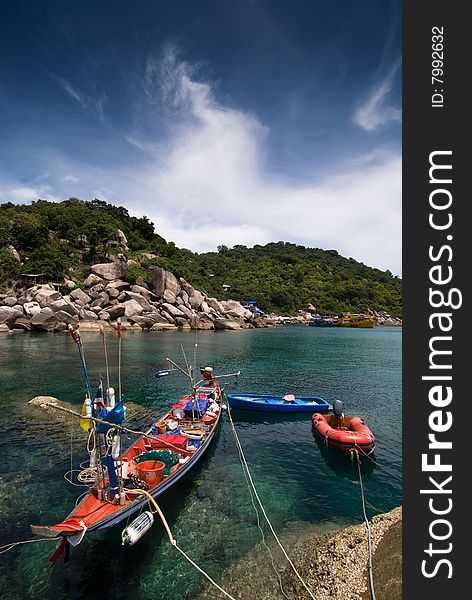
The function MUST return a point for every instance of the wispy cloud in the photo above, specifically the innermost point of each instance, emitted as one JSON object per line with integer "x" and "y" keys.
{"x": 206, "y": 182}
{"x": 91, "y": 103}
{"x": 376, "y": 110}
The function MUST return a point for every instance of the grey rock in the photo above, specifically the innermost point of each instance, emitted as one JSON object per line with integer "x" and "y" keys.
{"x": 23, "y": 324}
{"x": 169, "y": 297}
{"x": 101, "y": 301}
{"x": 142, "y": 291}
{"x": 87, "y": 315}
{"x": 12, "y": 250}
{"x": 79, "y": 296}
{"x": 116, "y": 311}
{"x": 65, "y": 317}
{"x": 172, "y": 285}
{"x": 92, "y": 280}
{"x": 109, "y": 271}
{"x": 31, "y": 308}
{"x": 227, "y": 324}
{"x": 215, "y": 305}
{"x": 44, "y": 320}
{"x": 163, "y": 327}
{"x": 172, "y": 310}
{"x": 140, "y": 300}
{"x": 112, "y": 292}
{"x": 133, "y": 308}
{"x": 235, "y": 309}
{"x": 65, "y": 306}
{"x": 117, "y": 284}
{"x": 120, "y": 236}
{"x": 10, "y": 301}
{"x": 8, "y": 315}
{"x": 158, "y": 280}
{"x": 196, "y": 299}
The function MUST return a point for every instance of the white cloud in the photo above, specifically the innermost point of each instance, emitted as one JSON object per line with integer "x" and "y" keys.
{"x": 207, "y": 184}
{"x": 376, "y": 111}
{"x": 18, "y": 193}
{"x": 90, "y": 103}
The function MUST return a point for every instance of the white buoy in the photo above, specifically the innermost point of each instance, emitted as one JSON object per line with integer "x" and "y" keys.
{"x": 110, "y": 397}
{"x": 137, "y": 528}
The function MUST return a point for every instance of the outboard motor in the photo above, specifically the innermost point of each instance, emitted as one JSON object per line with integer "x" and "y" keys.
{"x": 338, "y": 408}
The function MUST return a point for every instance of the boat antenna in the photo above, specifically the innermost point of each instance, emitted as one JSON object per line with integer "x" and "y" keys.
{"x": 104, "y": 341}
{"x": 179, "y": 368}
{"x": 76, "y": 337}
{"x": 118, "y": 331}
{"x": 185, "y": 358}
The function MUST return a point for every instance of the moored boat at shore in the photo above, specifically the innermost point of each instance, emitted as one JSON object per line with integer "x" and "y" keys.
{"x": 281, "y": 404}
{"x": 344, "y": 432}
{"x": 123, "y": 483}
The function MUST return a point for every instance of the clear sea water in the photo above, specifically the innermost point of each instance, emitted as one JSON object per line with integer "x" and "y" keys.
{"x": 303, "y": 485}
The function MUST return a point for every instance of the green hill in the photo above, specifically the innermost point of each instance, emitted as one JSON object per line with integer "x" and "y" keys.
{"x": 56, "y": 238}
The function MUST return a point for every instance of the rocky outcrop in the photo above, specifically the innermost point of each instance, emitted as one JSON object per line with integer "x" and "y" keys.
{"x": 165, "y": 304}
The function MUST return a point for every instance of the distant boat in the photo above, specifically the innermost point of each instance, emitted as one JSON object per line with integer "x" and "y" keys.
{"x": 286, "y": 404}
{"x": 317, "y": 321}
{"x": 348, "y": 320}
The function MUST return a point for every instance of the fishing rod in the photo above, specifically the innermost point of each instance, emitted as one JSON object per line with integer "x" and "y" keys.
{"x": 76, "y": 337}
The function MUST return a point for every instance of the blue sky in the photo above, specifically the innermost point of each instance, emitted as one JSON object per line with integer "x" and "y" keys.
{"x": 225, "y": 122}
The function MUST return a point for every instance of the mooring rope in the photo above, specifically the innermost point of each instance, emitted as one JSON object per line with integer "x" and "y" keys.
{"x": 369, "y": 538}
{"x": 8, "y": 547}
{"x": 381, "y": 467}
{"x": 251, "y": 493}
{"x": 246, "y": 467}
{"x": 176, "y": 546}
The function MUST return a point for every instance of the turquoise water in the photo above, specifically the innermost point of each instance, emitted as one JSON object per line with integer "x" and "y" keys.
{"x": 301, "y": 483}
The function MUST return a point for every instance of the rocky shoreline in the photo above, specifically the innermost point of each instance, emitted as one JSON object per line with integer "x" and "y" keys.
{"x": 165, "y": 304}
{"x": 332, "y": 564}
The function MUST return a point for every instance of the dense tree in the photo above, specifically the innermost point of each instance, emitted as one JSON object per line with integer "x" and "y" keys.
{"x": 52, "y": 237}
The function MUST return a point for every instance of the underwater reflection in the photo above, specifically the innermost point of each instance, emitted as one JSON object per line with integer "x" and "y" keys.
{"x": 341, "y": 463}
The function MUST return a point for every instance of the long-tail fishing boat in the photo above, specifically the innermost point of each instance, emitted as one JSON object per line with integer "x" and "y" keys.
{"x": 123, "y": 482}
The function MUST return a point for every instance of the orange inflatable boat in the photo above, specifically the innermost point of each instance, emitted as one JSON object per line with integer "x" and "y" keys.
{"x": 345, "y": 433}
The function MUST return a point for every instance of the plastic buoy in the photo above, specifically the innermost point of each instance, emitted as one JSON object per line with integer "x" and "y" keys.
{"x": 137, "y": 528}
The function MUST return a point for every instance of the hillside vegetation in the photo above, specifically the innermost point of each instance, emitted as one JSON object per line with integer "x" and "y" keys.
{"x": 67, "y": 237}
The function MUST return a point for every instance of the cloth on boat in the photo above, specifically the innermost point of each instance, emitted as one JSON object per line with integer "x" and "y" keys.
{"x": 116, "y": 416}
{"x": 163, "y": 440}
{"x": 196, "y": 407}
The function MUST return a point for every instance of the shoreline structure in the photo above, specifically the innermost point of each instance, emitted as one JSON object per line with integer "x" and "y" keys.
{"x": 167, "y": 303}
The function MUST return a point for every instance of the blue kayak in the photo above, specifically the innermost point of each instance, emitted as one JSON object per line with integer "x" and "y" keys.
{"x": 286, "y": 404}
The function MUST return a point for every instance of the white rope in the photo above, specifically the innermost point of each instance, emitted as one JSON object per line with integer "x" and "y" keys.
{"x": 394, "y": 475}
{"x": 202, "y": 572}
{"x": 369, "y": 540}
{"x": 153, "y": 502}
{"x": 9, "y": 547}
{"x": 246, "y": 467}
{"x": 251, "y": 493}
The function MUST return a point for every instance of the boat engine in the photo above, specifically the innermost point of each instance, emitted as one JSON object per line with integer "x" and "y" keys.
{"x": 137, "y": 528}
{"x": 338, "y": 408}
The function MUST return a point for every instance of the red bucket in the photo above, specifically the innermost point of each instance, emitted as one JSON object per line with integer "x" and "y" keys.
{"x": 150, "y": 471}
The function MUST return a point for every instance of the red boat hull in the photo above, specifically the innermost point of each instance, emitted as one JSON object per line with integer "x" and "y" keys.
{"x": 346, "y": 433}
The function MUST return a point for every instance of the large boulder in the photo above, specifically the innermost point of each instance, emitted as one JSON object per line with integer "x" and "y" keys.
{"x": 227, "y": 324}
{"x": 10, "y": 301}
{"x": 169, "y": 297}
{"x": 116, "y": 311}
{"x": 140, "y": 300}
{"x": 215, "y": 305}
{"x": 23, "y": 324}
{"x": 102, "y": 300}
{"x": 80, "y": 297}
{"x": 163, "y": 327}
{"x": 142, "y": 291}
{"x": 47, "y": 297}
{"x": 172, "y": 310}
{"x": 235, "y": 309}
{"x": 8, "y": 315}
{"x": 4, "y": 328}
{"x": 31, "y": 308}
{"x": 92, "y": 280}
{"x": 196, "y": 299}
{"x": 172, "y": 285}
{"x": 133, "y": 308}
{"x": 117, "y": 284}
{"x": 44, "y": 320}
{"x": 64, "y": 306}
{"x": 120, "y": 236}
{"x": 108, "y": 271}
{"x": 158, "y": 281}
